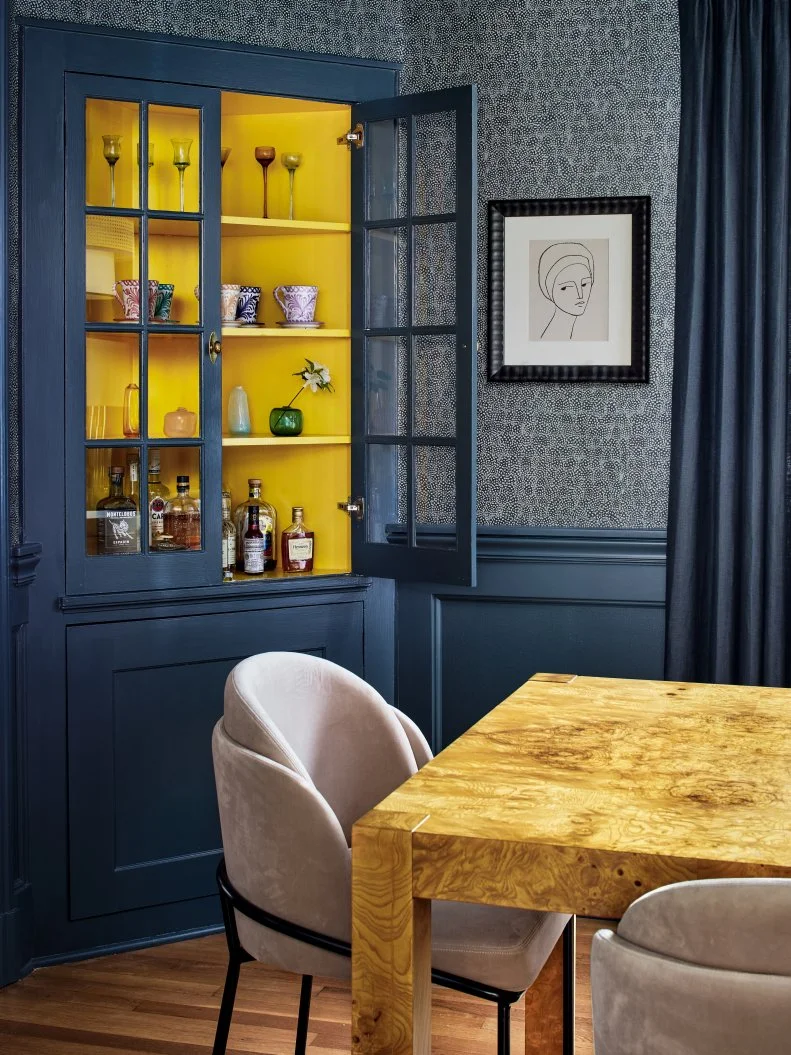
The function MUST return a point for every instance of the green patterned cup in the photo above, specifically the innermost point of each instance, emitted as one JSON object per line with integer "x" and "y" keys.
{"x": 164, "y": 301}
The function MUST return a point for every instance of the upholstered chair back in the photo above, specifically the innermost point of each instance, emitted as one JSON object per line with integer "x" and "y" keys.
{"x": 700, "y": 966}
{"x": 304, "y": 748}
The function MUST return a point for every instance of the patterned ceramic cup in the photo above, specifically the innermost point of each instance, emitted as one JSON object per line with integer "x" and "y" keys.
{"x": 164, "y": 301}
{"x": 247, "y": 308}
{"x": 229, "y": 299}
{"x": 298, "y": 303}
{"x": 129, "y": 297}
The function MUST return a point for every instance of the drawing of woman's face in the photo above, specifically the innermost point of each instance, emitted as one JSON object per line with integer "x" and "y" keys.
{"x": 572, "y": 289}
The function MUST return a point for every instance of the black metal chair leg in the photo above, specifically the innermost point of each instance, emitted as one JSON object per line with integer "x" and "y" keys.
{"x": 503, "y": 1028}
{"x": 226, "y": 1007}
{"x": 304, "y": 1014}
{"x": 569, "y": 984}
{"x": 236, "y": 957}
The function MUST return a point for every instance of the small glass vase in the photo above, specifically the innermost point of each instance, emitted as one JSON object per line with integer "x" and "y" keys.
{"x": 238, "y": 412}
{"x": 131, "y": 411}
{"x": 285, "y": 421}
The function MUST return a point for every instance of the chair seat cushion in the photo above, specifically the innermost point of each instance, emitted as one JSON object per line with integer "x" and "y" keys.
{"x": 501, "y": 947}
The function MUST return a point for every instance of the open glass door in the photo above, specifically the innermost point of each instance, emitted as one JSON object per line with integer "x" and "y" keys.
{"x": 414, "y": 195}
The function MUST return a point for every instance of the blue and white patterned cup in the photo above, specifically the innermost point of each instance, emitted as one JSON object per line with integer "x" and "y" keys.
{"x": 247, "y": 308}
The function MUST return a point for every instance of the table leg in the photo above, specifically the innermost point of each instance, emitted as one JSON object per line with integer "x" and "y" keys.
{"x": 391, "y": 947}
{"x": 549, "y": 1002}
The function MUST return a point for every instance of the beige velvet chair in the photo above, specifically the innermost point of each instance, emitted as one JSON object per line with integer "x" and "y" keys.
{"x": 303, "y": 750}
{"x": 698, "y": 968}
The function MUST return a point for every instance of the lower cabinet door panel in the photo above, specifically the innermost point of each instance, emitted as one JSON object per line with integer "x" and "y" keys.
{"x": 143, "y": 697}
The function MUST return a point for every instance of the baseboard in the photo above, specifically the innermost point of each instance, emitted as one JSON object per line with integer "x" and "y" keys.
{"x": 16, "y": 936}
{"x": 122, "y": 946}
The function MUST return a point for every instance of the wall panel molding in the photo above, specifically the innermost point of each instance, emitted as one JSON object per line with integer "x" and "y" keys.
{"x": 16, "y": 908}
{"x": 585, "y": 602}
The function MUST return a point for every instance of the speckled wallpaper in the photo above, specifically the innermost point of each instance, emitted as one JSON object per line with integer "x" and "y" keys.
{"x": 575, "y": 100}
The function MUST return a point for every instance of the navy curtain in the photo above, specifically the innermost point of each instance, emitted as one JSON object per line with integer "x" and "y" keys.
{"x": 727, "y": 578}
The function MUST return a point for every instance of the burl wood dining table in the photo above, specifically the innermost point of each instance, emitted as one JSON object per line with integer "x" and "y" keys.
{"x": 575, "y": 795}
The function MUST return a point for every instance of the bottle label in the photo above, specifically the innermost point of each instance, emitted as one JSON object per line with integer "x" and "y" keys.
{"x": 156, "y": 508}
{"x": 300, "y": 549}
{"x": 253, "y": 556}
{"x": 229, "y": 551}
{"x": 118, "y": 532}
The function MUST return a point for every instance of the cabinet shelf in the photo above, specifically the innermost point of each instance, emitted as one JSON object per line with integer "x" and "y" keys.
{"x": 286, "y": 441}
{"x": 273, "y": 331}
{"x": 239, "y": 577}
{"x": 247, "y": 225}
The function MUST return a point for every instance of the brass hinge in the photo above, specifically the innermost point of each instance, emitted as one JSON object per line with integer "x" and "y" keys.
{"x": 354, "y": 138}
{"x": 355, "y": 507}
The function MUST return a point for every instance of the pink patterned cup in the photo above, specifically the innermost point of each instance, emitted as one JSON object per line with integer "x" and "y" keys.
{"x": 229, "y": 299}
{"x": 129, "y": 297}
{"x": 298, "y": 303}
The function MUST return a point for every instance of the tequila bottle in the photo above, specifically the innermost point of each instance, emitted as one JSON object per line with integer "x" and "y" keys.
{"x": 133, "y": 474}
{"x": 182, "y": 516}
{"x": 118, "y": 527}
{"x": 267, "y": 519}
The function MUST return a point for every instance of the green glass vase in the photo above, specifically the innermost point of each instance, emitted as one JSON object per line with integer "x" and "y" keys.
{"x": 285, "y": 421}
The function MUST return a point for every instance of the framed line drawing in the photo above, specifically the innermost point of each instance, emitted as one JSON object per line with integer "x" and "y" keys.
{"x": 569, "y": 289}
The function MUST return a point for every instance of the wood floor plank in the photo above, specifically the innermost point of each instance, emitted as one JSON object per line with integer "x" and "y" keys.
{"x": 164, "y": 1001}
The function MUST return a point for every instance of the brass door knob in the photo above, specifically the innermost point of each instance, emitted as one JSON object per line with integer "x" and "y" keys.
{"x": 215, "y": 346}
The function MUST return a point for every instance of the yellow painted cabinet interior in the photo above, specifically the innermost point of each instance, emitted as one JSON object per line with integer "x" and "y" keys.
{"x": 311, "y": 470}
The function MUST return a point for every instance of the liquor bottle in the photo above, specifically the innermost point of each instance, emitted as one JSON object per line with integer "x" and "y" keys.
{"x": 182, "y": 516}
{"x": 117, "y": 528}
{"x": 254, "y": 544}
{"x": 267, "y": 519}
{"x": 158, "y": 495}
{"x": 296, "y": 544}
{"x": 228, "y": 539}
{"x": 133, "y": 474}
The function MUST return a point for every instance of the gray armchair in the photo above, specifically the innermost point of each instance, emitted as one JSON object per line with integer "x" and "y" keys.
{"x": 697, "y": 968}
{"x": 303, "y": 750}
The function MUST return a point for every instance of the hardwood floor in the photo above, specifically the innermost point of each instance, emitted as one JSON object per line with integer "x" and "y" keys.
{"x": 164, "y": 1001}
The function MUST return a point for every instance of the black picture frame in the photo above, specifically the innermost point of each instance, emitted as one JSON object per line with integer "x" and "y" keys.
{"x": 636, "y": 370}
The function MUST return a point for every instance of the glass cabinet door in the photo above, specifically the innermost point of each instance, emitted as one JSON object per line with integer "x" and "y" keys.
{"x": 414, "y": 209}
{"x": 143, "y": 384}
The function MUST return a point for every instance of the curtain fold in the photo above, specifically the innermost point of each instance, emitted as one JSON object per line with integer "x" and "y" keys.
{"x": 727, "y": 611}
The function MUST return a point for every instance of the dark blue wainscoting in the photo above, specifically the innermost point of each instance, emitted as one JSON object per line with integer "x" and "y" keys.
{"x": 548, "y": 599}
{"x": 143, "y": 698}
{"x": 125, "y": 836}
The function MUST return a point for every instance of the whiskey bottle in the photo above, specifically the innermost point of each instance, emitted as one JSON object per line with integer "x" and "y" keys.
{"x": 117, "y": 527}
{"x": 228, "y": 539}
{"x": 181, "y": 519}
{"x": 254, "y": 544}
{"x": 296, "y": 544}
{"x": 158, "y": 495}
{"x": 267, "y": 519}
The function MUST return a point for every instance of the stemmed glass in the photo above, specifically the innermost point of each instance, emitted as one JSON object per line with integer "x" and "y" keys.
{"x": 265, "y": 156}
{"x": 112, "y": 152}
{"x": 181, "y": 159}
{"x": 292, "y": 163}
